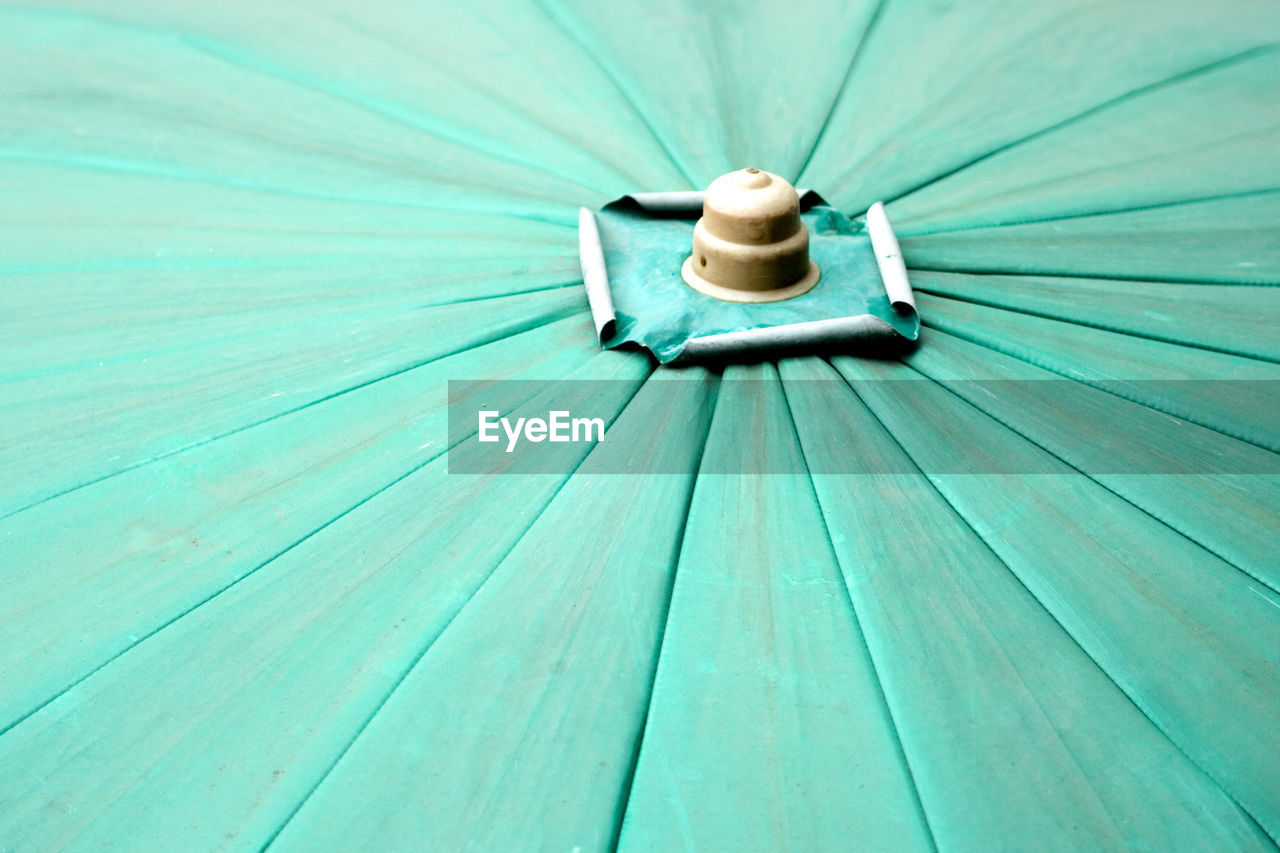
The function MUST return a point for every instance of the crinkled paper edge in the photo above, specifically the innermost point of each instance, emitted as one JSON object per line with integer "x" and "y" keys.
{"x": 884, "y": 243}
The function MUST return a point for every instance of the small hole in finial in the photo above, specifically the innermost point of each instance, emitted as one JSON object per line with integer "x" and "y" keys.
{"x": 702, "y": 261}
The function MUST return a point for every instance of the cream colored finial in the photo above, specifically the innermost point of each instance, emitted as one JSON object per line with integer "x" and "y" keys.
{"x": 750, "y": 245}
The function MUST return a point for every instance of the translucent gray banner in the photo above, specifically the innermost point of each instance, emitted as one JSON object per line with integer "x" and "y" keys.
{"x": 838, "y": 427}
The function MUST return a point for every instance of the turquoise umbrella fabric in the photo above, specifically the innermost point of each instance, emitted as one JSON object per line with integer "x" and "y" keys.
{"x": 245, "y": 247}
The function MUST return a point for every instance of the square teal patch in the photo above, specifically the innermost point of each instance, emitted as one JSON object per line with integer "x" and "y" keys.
{"x": 643, "y": 249}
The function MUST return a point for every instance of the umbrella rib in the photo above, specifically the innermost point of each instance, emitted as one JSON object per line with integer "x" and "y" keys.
{"x": 844, "y": 575}
{"x": 1046, "y": 366}
{"x": 1207, "y": 148}
{"x": 101, "y": 164}
{"x": 624, "y": 796}
{"x": 234, "y": 262}
{"x": 276, "y": 262}
{"x": 840, "y": 91}
{"x": 491, "y": 296}
{"x": 992, "y": 551}
{"x": 974, "y": 300}
{"x": 265, "y": 67}
{"x": 1092, "y": 478}
{"x": 1096, "y": 275}
{"x": 1180, "y": 77}
{"x": 561, "y": 18}
{"x": 393, "y": 297}
{"x": 213, "y": 595}
{"x": 498, "y": 93}
{"x": 197, "y": 444}
{"x": 398, "y": 113}
{"x": 235, "y": 581}
{"x": 426, "y": 648}
{"x": 1160, "y": 205}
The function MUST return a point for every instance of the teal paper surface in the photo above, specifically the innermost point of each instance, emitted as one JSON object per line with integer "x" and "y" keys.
{"x": 657, "y": 310}
{"x": 246, "y": 247}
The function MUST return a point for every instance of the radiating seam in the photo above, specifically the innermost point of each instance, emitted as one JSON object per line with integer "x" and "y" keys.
{"x": 624, "y": 798}
{"x": 491, "y": 802}
{"x": 1158, "y": 205}
{"x": 1098, "y": 276}
{"x": 189, "y": 347}
{"x": 562, "y": 19}
{"x": 844, "y": 85}
{"x": 516, "y": 44}
{"x": 427, "y": 461}
{"x": 553, "y": 318}
{"x": 422, "y": 653}
{"x": 720, "y": 77}
{"x": 416, "y": 265}
{"x": 277, "y": 262}
{"x": 922, "y": 114}
{"x": 122, "y": 167}
{"x": 1151, "y": 336}
{"x": 1173, "y": 80}
{"x": 1045, "y": 365}
{"x": 1150, "y": 514}
{"x": 1137, "y": 703}
{"x": 404, "y": 116}
{"x": 272, "y": 70}
{"x": 1200, "y": 150}
{"x": 844, "y": 575}
{"x": 1131, "y": 696}
{"x": 213, "y": 595}
{"x": 501, "y": 95}
{"x": 562, "y": 285}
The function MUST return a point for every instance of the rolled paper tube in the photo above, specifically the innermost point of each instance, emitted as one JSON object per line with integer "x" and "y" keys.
{"x": 893, "y": 270}
{"x": 595, "y": 277}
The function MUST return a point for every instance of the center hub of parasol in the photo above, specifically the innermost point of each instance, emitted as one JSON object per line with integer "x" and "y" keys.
{"x": 750, "y": 244}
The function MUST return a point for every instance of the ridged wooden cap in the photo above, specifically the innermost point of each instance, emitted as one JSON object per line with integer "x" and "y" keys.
{"x": 750, "y": 245}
